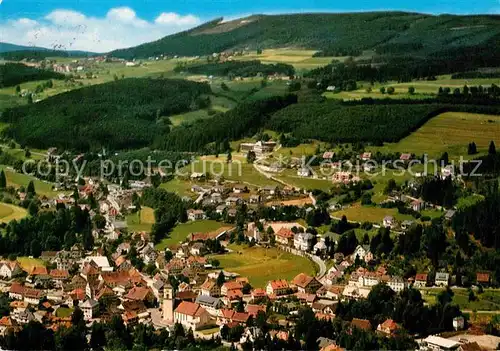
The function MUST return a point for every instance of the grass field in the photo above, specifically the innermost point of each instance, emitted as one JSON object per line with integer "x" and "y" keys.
{"x": 181, "y": 231}
{"x": 300, "y": 59}
{"x": 10, "y": 212}
{"x": 423, "y": 89}
{"x": 489, "y": 300}
{"x": 299, "y": 150}
{"x": 372, "y": 214}
{"x": 239, "y": 170}
{"x": 18, "y": 179}
{"x": 261, "y": 265}
{"x": 63, "y": 312}
{"x": 27, "y": 263}
{"x": 187, "y": 117}
{"x": 450, "y": 132}
{"x": 289, "y": 176}
{"x": 178, "y": 186}
{"x": 141, "y": 221}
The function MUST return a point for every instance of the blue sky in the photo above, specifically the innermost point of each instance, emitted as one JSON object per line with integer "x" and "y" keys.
{"x": 108, "y": 24}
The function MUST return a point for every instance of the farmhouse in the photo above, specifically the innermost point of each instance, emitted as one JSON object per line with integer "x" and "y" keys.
{"x": 417, "y": 205}
{"x": 306, "y": 284}
{"x": 210, "y": 288}
{"x": 442, "y": 279}
{"x": 229, "y": 286}
{"x": 195, "y": 215}
{"x": 420, "y": 280}
{"x": 10, "y": 269}
{"x": 483, "y": 278}
{"x": 344, "y": 177}
{"x": 284, "y": 236}
{"x": 388, "y": 327}
{"x": 277, "y": 287}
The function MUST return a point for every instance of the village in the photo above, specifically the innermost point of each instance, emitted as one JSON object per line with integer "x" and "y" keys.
{"x": 126, "y": 275}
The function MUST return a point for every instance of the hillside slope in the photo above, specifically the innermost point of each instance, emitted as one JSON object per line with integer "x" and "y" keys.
{"x": 336, "y": 34}
{"x": 125, "y": 114}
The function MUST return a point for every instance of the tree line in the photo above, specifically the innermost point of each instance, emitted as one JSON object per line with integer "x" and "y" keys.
{"x": 12, "y": 74}
{"x": 365, "y": 121}
{"x": 237, "y": 69}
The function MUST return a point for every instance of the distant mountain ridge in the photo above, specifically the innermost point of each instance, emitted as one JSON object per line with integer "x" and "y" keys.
{"x": 335, "y": 34}
{"x": 8, "y": 47}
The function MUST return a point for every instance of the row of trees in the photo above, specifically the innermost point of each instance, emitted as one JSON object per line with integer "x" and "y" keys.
{"x": 238, "y": 69}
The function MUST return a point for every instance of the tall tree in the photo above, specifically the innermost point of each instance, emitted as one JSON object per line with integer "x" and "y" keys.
{"x": 3, "y": 180}
{"x": 30, "y": 190}
{"x": 492, "y": 149}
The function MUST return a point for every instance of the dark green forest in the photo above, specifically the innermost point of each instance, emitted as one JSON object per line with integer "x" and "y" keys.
{"x": 335, "y": 122}
{"x": 244, "y": 120}
{"x": 339, "y": 34}
{"x": 405, "y": 68}
{"x": 16, "y": 73}
{"x": 124, "y": 114}
{"x": 238, "y": 68}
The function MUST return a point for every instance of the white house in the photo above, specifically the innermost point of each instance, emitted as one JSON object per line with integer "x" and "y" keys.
{"x": 388, "y": 221}
{"x": 361, "y": 251}
{"x": 442, "y": 279}
{"x": 10, "y": 269}
{"x": 303, "y": 241}
{"x": 90, "y": 309}
{"x": 397, "y": 284}
{"x": 194, "y": 215}
{"x": 304, "y": 172}
{"x": 320, "y": 246}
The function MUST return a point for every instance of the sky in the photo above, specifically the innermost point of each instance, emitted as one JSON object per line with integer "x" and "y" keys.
{"x": 105, "y": 25}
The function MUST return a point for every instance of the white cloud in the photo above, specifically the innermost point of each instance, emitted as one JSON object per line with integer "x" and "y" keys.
{"x": 172, "y": 18}
{"x": 25, "y": 22}
{"x": 72, "y": 30}
{"x": 66, "y": 17}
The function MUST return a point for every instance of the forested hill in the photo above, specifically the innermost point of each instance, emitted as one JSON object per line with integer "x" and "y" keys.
{"x": 124, "y": 114}
{"x": 334, "y": 34}
{"x": 16, "y": 73}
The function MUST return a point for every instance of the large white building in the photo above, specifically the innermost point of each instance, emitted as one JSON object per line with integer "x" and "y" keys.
{"x": 303, "y": 241}
{"x": 90, "y": 308}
